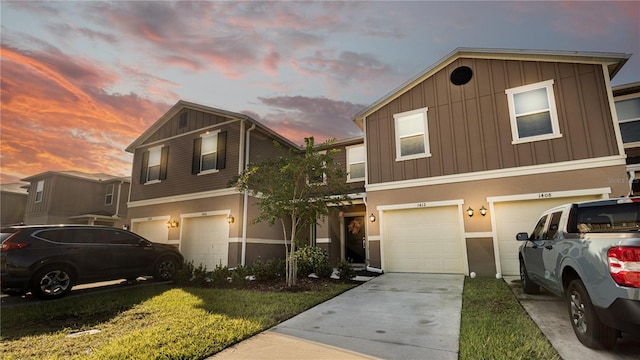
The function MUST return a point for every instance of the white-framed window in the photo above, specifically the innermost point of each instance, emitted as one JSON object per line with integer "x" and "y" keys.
{"x": 412, "y": 135}
{"x": 154, "y": 165}
{"x": 108, "y": 196}
{"x": 39, "y": 191}
{"x": 209, "y": 153}
{"x": 628, "y": 110}
{"x": 533, "y": 114}
{"x": 355, "y": 163}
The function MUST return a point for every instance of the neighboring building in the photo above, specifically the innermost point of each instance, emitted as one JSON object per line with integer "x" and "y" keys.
{"x": 180, "y": 193}
{"x": 627, "y": 99}
{"x": 501, "y": 134}
{"x": 73, "y": 197}
{"x": 13, "y": 199}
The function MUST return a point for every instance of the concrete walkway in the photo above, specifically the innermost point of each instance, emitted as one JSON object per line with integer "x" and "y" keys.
{"x": 394, "y": 316}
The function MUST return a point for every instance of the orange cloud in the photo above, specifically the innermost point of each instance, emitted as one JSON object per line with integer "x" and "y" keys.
{"x": 54, "y": 117}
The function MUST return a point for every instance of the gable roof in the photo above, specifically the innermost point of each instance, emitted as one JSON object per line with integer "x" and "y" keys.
{"x": 613, "y": 61}
{"x": 15, "y": 188}
{"x": 181, "y": 104}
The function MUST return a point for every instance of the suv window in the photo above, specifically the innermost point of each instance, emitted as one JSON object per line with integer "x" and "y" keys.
{"x": 55, "y": 235}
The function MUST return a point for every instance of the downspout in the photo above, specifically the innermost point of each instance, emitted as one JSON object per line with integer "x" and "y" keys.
{"x": 245, "y": 205}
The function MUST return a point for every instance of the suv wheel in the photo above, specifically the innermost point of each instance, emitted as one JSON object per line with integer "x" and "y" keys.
{"x": 528, "y": 286}
{"x": 166, "y": 267}
{"x": 52, "y": 282}
{"x": 588, "y": 328}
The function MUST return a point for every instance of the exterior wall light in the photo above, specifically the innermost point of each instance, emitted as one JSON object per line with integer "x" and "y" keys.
{"x": 173, "y": 223}
{"x": 483, "y": 211}
{"x": 230, "y": 219}
{"x": 372, "y": 218}
{"x": 470, "y": 211}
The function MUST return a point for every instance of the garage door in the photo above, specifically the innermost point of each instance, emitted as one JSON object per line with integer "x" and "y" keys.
{"x": 155, "y": 230}
{"x": 205, "y": 240}
{"x": 423, "y": 240}
{"x": 513, "y": 217}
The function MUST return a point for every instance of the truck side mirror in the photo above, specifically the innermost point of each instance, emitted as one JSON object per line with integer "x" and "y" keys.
{"x": 523, "y": 236}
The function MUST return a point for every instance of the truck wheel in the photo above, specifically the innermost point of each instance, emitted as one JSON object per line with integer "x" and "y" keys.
{"x": 165, "y": 268}
{"x": 52, "y": 282}
{"x": 528, "y": 286}
{"x": 588, "y": 328}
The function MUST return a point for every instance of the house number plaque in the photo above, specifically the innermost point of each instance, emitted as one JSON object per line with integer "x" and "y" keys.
{"x": 422, "y": 205}
{"x": 545, "y": 195}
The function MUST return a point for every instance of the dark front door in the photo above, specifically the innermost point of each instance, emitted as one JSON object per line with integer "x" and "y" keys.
{"x": 354, "y": 239}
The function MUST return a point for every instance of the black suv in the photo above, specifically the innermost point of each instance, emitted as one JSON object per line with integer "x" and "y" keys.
{"x": 49, "y": 260}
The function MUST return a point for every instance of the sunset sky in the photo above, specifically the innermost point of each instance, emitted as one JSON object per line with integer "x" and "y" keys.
{"x": 81, "y": 80}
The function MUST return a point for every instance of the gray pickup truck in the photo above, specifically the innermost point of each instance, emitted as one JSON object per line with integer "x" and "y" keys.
{"x": 589, "y": 254}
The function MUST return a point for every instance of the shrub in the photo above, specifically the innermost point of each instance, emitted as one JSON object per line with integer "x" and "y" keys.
{"x": 220, "y": 275}
{"x": 312, "y": 259}
{"x": 267, "y": 270}
{"x": 191, "y": 275}
{"x": 345, "y": 271}
{"x": 239, "y": 275}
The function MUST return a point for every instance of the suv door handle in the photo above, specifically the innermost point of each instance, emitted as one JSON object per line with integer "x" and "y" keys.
{"x": 548, "y": 247}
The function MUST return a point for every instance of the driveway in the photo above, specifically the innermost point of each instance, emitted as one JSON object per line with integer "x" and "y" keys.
{"x": 549, "y": 312}
{"x": 394, "y": 316}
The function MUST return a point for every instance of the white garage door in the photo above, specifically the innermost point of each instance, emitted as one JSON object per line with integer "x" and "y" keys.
{"x": 205, "y": 240}
{"x": 513, "y": 217}
{"x": 155, "y": 230}
{"x": 423, "y": 240}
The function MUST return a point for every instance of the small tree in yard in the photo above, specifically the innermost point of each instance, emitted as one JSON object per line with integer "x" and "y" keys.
{"x": 295, "y": 189}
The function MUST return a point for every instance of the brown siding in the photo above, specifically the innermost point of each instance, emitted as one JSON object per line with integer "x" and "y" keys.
{"x": 469, "y": 125}
{"x": 481, "y": 257}
{"x": 179, "y": 178}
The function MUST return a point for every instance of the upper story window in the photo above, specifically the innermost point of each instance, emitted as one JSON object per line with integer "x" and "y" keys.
{"x": 39, "y": 190}
{"x": 355, "y": 163}
{"x": 209, "y": 153}
{"x": 628, "y": 110}
{"x": 412, "y": 136}
{"x": 154, "y": 165}
{"x": 108, "y": 196}
{"x": 532, "y": 109}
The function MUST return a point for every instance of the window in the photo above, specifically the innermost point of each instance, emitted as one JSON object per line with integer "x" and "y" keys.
{"x": 355, "y": 163}
{"x": 209, "y": 153}
{"x": 154, "y": 165}
{"x": 538, "y": 231}
{"x": 629, "y": 118}
{"x": 554, "y": 225}
{"x": 411, "y": 134}
{"x": 108, "y": 197}
{"x": 39, "y": 190}
{"x": 532, "y": 109}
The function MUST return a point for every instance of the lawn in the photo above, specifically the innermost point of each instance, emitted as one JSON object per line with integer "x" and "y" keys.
{"x": 162, "y": 321}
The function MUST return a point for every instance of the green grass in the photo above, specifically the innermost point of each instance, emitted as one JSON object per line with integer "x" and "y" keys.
{"x": 495, "y": 326}
{"x": 161, "y": 321}
{"x": 149, "y": 322}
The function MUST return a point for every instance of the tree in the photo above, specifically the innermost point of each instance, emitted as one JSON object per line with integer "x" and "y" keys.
{"x": 297, "y": 190}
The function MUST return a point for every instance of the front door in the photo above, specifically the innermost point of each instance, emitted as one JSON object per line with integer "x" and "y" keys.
{"x": 354, "y": 239}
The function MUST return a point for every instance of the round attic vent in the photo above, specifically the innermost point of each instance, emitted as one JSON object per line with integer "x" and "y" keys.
{"x": 461, "y": 75}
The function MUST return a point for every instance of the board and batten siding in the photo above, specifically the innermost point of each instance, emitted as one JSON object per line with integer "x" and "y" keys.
{"x": 469, "y": 126}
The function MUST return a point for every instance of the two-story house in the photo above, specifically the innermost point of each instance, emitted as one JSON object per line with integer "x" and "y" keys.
{"x": 73, "y": 197}
{"x": 627, "y": 99}
{"x": 13, "y": 201}
{"x": 180, "y": 193}
{"x": 470, "y": 152}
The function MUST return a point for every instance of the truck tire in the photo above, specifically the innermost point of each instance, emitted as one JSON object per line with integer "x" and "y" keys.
{"x": 528, "y": 286}
{"x": 52, "y": 282}
{"x": 585, "y": 322}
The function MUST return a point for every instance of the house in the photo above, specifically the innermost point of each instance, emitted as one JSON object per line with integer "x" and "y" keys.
{"x": 180, "y": 193}
{"x": 470, "y": 152}
{"x": 627, "y": 100}
{"x": 73, "y": 197}
{"x": 13, "y": 199}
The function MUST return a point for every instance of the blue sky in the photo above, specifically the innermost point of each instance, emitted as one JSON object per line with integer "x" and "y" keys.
{"x": 81, "y": 80}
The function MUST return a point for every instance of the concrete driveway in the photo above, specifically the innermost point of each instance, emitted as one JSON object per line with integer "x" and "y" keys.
{"x": 394, "y": 316}
{"x": 549, "y": 312}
